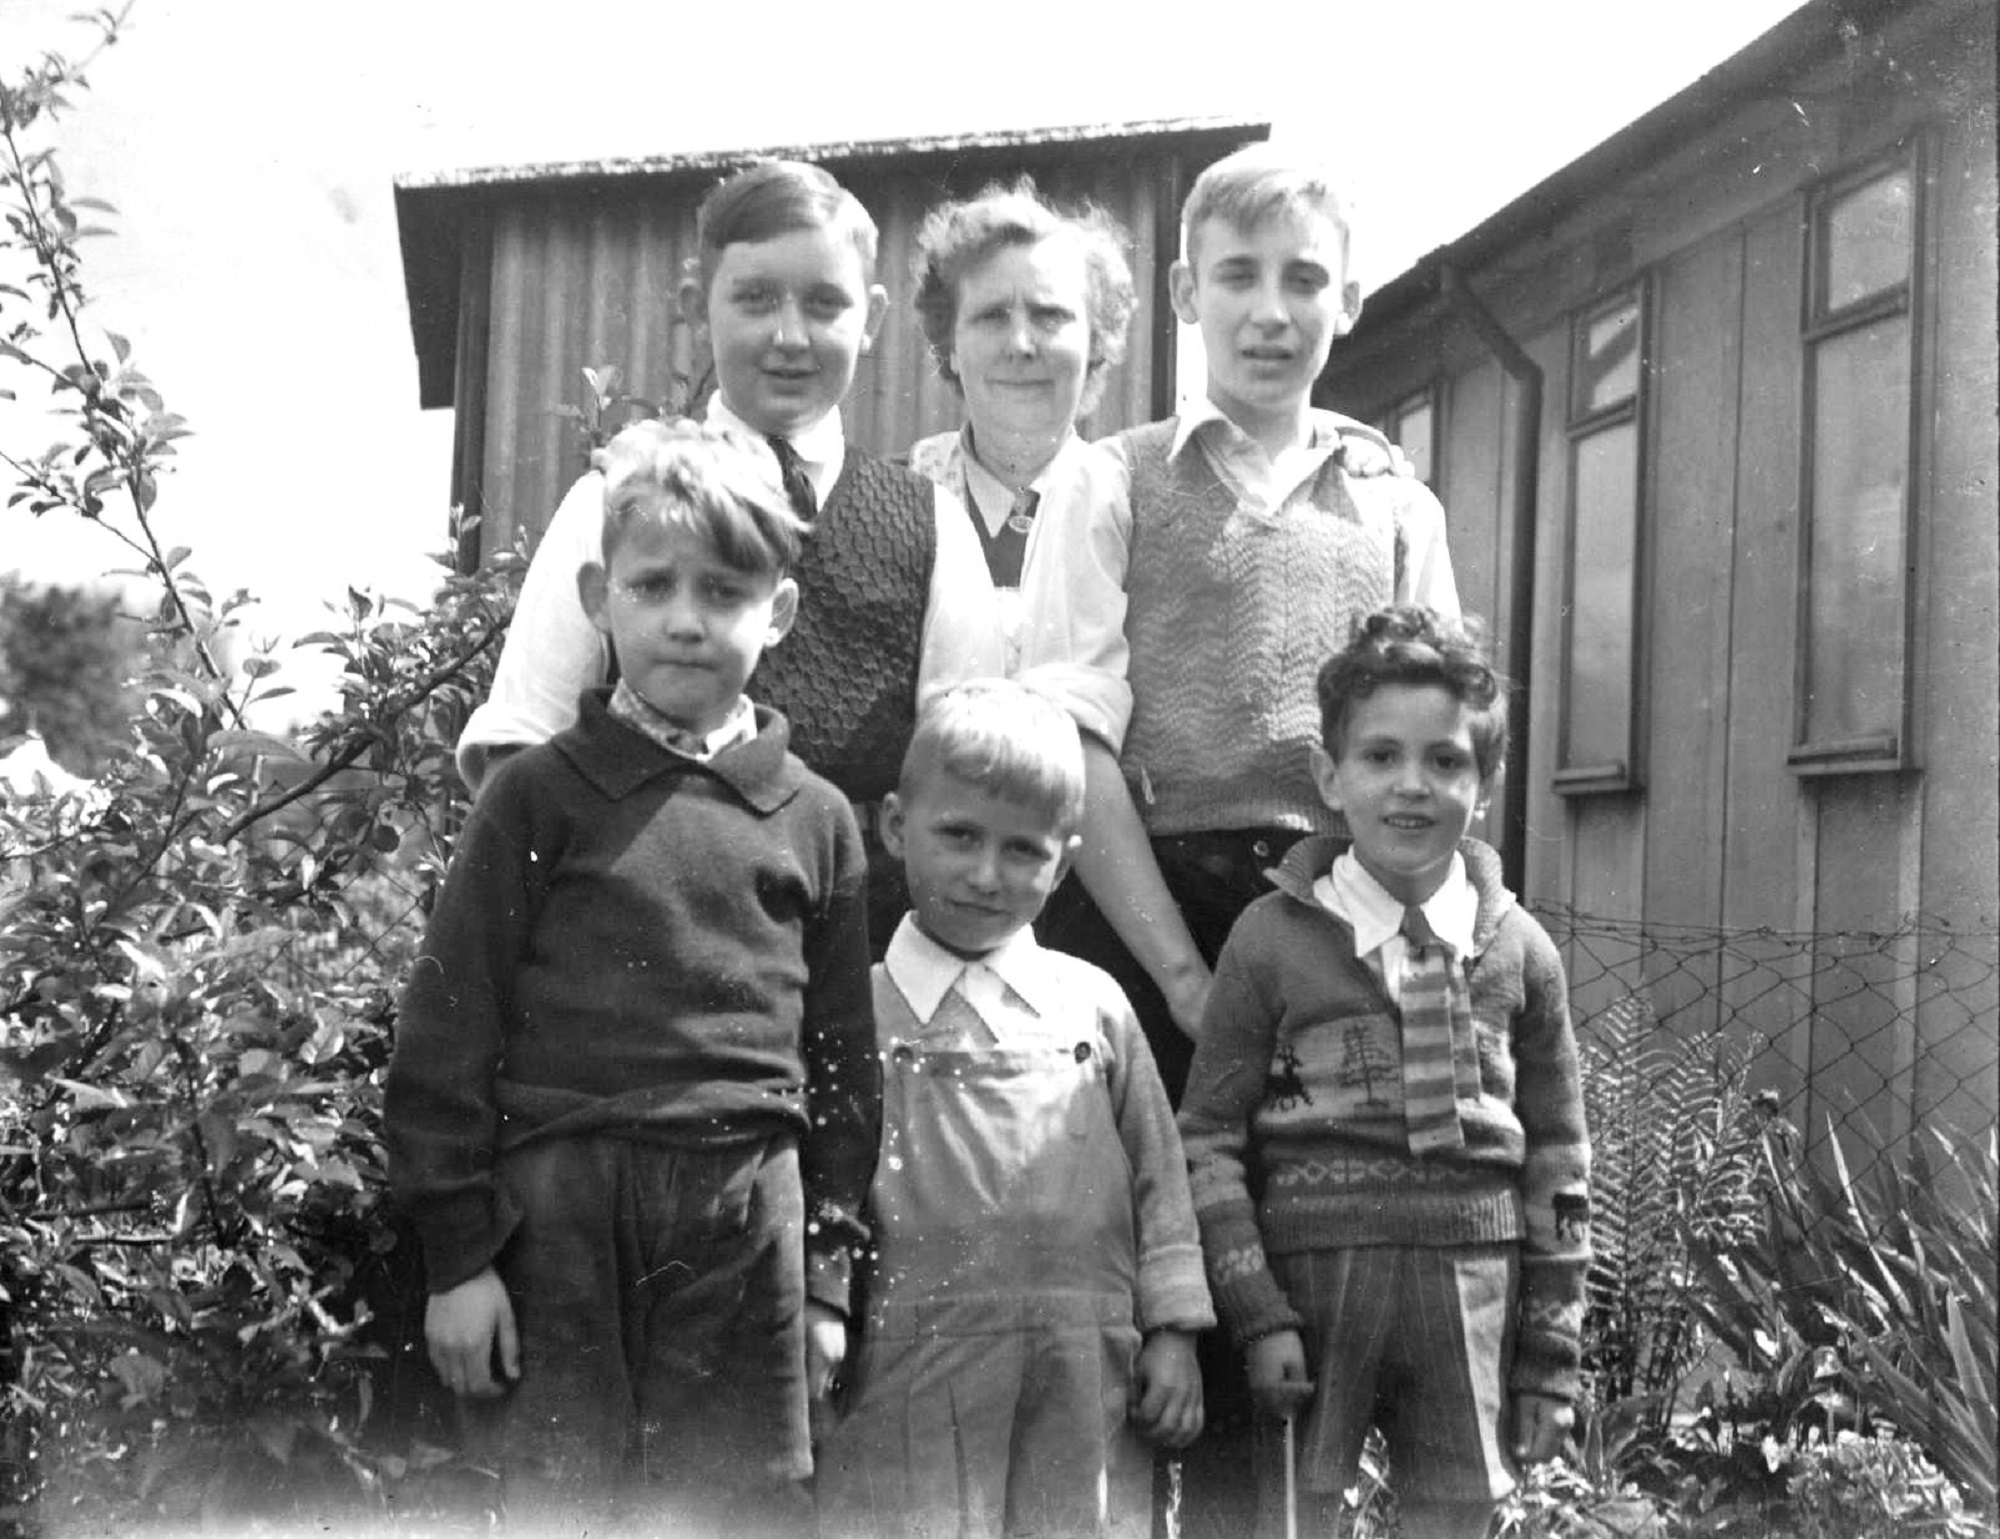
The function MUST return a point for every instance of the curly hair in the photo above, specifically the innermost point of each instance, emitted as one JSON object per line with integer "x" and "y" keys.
{"x": 956, "y": 237}
{"x": 1411, "y": 645}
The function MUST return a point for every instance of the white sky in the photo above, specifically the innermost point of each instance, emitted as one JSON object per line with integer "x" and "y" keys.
{"x": 250, "y": 150}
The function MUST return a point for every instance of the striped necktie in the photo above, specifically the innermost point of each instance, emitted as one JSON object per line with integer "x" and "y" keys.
{"x": 792, "y": 471}
{"x": 1432, "y": 999}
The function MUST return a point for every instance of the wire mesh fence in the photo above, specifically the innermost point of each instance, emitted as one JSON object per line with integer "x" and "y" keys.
{"x": 1862, "y": 1035}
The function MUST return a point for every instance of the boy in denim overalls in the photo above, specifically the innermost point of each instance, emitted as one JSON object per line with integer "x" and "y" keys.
{"x": 1038, "y": 1284}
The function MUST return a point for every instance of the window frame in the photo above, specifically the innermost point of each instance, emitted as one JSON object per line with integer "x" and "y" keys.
{"x": 1430, "y": 395}
{"x": 1867, "y": 753}
{"x": 1582, "y": 422}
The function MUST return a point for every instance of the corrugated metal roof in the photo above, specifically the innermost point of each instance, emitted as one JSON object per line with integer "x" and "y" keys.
{"x": 834, "y": 152}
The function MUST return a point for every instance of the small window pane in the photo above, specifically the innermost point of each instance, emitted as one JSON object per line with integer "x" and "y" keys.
{"x": 1867, "y": 241}
{"x": 1601, "y": 630}
{"x": 1412, "y": 433}
{"x": 1860, "y": 462}
{"x": 1608, "y": 371}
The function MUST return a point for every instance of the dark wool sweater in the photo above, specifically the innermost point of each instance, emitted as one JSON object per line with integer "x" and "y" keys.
{"x": 846, "y": 676}
{"x": 635, "y": 944}
{"x": 1296, "y": 1091}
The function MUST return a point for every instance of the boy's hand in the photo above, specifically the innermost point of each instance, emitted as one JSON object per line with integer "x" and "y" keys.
{"x": 1167, "y": 1390}
{"x": 463, "y": 1326}
{"x": 1277, "y": 1373}
{"x": 826, "y": 1349}
{"x": 1541, "y": 1425}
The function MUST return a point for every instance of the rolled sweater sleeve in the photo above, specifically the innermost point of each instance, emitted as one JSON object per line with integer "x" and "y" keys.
{"x": 1171, "y": 1293}
{"x": 843, "y": 1074}
{"x": 1225, "y": 1086}
{"x": 1555, "y": 1180}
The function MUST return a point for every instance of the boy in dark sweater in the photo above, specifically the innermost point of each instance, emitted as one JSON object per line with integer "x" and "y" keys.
{"x": 1387, "y": 1059}
{"x": 634, "y": 1104}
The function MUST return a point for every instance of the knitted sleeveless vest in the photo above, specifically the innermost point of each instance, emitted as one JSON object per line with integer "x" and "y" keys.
{"x": 846, "y": 677}
{"x": 1229, "y": 617}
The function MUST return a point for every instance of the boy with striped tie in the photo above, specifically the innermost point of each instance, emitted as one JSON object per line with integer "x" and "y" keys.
{"x": 1387, "y": 1060}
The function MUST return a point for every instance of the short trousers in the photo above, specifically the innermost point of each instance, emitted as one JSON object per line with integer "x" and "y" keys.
{"x": 1417, "y": 1341}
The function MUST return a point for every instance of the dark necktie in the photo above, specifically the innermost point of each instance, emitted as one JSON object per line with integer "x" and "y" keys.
{"x": 798, "y": 485}
{"x": 1005, "y": 550}
{"x": 1430, "y": 1092}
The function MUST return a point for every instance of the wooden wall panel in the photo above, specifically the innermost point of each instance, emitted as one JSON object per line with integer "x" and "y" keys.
{"x": 1958, "y": 719}
{"x": 1863, "y": 1006}
{"x": 1549, "y": 864}
{"x": 1472, "y": 460}
{"x": 1761, "y": 815}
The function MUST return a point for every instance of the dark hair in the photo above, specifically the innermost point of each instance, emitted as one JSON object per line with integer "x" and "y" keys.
{"x": 719, "y": 484}
{"x": 1408, "y": 644}
{"x": 956, "y": 237}
{"x": 776, "y": 197}
{"x": 1011, "y": 741}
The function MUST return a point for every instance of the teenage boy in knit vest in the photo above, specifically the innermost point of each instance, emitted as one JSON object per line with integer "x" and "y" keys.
{"x": 635, "y": 1089}
{"x": 1386, "y": 1059}
{"x": 895, "y": 604}
{"x": 1181, "y": 601}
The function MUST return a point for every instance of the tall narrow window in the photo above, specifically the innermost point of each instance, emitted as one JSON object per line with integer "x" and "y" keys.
{"x": 1601, "y": 619}
{"x": 1862, "y": 233}
{"x": 1412, "y": 426}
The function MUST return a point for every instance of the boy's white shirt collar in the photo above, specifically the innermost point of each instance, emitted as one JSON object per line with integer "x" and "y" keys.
{"x": 822, "y": 448}
{"x": 924, "y": 971}
{"x": 1350, "y": 892}
{"x": 739, "y": 727}
{"x": 1201, "y": 411}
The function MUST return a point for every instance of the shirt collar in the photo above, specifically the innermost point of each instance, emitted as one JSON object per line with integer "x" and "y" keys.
{"x": 618, "y": 758}
{"x": 924, "y": 971}
{"x": 629, "y": 706}
{"x": 1350, "y": 891}
{"x": 988, "y": 491}
{"x": 1202, "y": 412}
{"x": 822, "y": 448}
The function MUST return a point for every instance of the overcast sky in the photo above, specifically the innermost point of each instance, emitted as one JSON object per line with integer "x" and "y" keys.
{"x": 251, "y": 148}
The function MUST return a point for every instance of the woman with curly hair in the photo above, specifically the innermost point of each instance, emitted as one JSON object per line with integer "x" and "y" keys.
{"x": 1025, "y": 307}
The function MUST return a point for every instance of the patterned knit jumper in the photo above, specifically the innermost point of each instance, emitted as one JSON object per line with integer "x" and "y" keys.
{"x": 846, "y": 676}
{"x": 1229, "y": 616}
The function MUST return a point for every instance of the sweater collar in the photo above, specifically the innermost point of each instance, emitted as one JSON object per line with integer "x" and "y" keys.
{"x": 618, "y": 759}
{"x": 1310, "y": 859}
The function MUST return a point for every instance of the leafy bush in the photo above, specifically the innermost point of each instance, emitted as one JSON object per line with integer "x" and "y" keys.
{"x": 1886, "y": 1286}
{"x": 196, "y": 964}
{"x": 1674, "y": 1131}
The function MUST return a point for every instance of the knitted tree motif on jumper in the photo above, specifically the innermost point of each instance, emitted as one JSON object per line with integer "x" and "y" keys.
{"x": 1364, "y": 1061}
